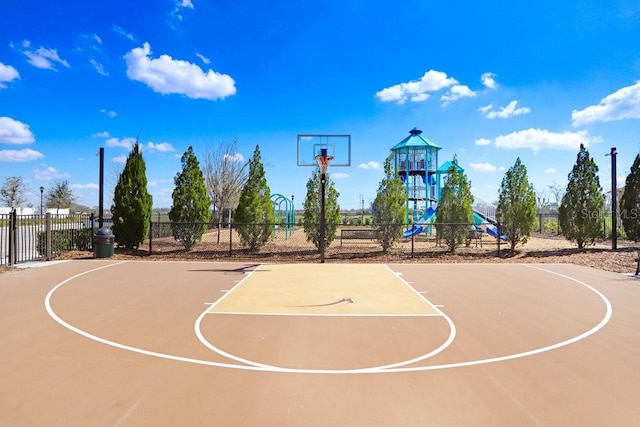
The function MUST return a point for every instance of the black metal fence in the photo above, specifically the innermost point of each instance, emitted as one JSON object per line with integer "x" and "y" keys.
{"x": 291, "y": 242}
{"x": 25, "y": 238}
{"x": 548, "y": 224}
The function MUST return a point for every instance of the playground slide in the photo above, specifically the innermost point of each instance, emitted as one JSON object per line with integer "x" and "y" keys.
{"x": 479, "y": 218}
{"x": 492, "y": 230}
{"x": 419, "y": 226}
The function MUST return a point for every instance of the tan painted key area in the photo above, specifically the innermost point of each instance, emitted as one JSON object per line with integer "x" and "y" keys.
{"x": 317, "y": 289}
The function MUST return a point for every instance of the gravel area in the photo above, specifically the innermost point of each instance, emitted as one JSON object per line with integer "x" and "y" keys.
{"x": 539, "y": 249}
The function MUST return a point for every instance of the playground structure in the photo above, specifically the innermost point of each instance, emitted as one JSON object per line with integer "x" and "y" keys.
{"x": 284, "y": 214}
{"x": 416, "y": 162}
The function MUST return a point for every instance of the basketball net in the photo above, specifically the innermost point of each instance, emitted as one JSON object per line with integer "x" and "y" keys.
{"x": 323, "y": 163}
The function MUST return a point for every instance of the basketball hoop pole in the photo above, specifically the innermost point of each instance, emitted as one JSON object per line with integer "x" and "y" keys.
{"x": 323, "y": 163}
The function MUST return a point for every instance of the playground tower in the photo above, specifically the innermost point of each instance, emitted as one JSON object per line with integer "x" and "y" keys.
{"x": 416, "y": 162}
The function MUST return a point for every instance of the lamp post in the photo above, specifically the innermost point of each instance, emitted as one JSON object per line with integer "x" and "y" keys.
{"x": 41, "y": 193}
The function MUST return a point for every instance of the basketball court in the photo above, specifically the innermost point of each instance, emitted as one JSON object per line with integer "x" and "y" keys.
{"x": 106, "y": 342}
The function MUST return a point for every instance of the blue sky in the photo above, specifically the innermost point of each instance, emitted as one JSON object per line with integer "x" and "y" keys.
{"x": 487, "y": 81}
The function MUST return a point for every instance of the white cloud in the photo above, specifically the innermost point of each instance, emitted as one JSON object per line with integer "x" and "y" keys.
{"x": 483, "y": 141}
{"x": 112, "y": 114}
{"x": 505, "y": 112}
{"x": 622, "y": 104}
{"x": 85, "y": 186}
{"x": 550, "y": 171}
{"x": 119, "y": 159}
{"x": 121, "y": 143}
{"x": 489, "y": 80}
{"x": 540, "y": 139}
{"x": 203, "y": 58}
{"x": 483, "y": 167}
{"x": 181, "y": 4}
{"x": 121, "y": 31}
{"x": 97, "y": 39}
{"x": 237, "y": 157}
{"x": 456, "y": 92}
{"x": 157, "y": 182}
{"x": 103, "y": 134}
{"x": 416, "y": 90}
{"x": 370, "y": 165}
{"x": 42, "y": 57}
{"x": 15, "y": 132}
{"x": 7, "y": 74}
{"x": 49, "y": 173}
{"x": 162, "y": 147}
{"x": 339, "y": 175}
{"x": 99, "y": 67}
{"x": 25, "y": 155}
{"x": 167, "y": 75}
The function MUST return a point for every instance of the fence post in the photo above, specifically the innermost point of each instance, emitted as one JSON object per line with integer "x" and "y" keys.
{"x": 499, "y": 238}
{"x": 151, "y": 237}
{"x": 540, "y": 223}
{"x": 413, "y": 237}
{"x": 13, "y": 237}
{"x": 230, "y": 238}
{"x": 47, "y": 231}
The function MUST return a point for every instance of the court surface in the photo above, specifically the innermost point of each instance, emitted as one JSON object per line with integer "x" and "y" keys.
{"x": 106, "y": 342}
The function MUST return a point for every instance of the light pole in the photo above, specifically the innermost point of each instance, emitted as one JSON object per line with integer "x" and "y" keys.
{"x": 41, "y": 193}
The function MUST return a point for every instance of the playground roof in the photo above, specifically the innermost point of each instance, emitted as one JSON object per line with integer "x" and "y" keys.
{"x": 414, "y": 140}
{"x": 444, "y": 168}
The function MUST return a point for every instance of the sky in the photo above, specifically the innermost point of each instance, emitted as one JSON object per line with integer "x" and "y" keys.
{"x": 489, "y": 82}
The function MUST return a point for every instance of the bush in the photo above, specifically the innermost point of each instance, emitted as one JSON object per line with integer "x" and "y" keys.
{"x": 550, "y": 226}
{"x": 66, "y": 240}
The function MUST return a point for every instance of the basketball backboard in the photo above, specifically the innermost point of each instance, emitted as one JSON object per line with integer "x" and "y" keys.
{"x": 337, "y": 146}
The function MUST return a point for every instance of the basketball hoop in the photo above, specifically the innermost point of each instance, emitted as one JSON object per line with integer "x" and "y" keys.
{"x": 323, "y": 161}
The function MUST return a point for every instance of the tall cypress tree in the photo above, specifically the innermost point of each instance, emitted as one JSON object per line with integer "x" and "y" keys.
{"x": 630, "y": 202}
{"x": 455, "y": 212}
{"x": 389, "y": 208}
{"x": 580, "y": 212}
{"x": 516, "y": 205}
{"x": 132, "y": 203}
{"x": 255, "y": 214}
{"x": 312, "y": 208}
{"x": 190, "y": 211}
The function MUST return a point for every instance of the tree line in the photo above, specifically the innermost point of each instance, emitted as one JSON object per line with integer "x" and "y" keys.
{"x": 230, "y": 184}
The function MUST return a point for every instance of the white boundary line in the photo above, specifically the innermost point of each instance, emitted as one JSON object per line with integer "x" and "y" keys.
{"x": 422, "y": 357}
{"x": 577, "y": 338}
{"x": 85, "y": 334}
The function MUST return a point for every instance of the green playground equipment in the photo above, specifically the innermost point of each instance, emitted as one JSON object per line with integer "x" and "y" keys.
{"x": 284, "y": 214}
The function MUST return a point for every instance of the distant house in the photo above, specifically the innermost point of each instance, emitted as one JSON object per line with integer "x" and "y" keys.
{"x": 33, "y": 211}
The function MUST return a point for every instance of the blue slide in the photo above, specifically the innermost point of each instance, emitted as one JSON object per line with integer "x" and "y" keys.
{"x": 419, "y": 226}
{"x": 492, "y": 230}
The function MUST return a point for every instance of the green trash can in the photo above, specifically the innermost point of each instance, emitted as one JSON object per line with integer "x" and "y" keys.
{"x": 103, "y": 243}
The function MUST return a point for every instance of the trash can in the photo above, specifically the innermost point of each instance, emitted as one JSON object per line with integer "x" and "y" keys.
{"x": 103, "y": 243}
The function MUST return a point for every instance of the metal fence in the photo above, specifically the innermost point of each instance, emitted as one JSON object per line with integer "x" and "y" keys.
{"x": 26, "y": 238}
{"x": 290, "y": 242}
{"x": 548, "y": 224}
